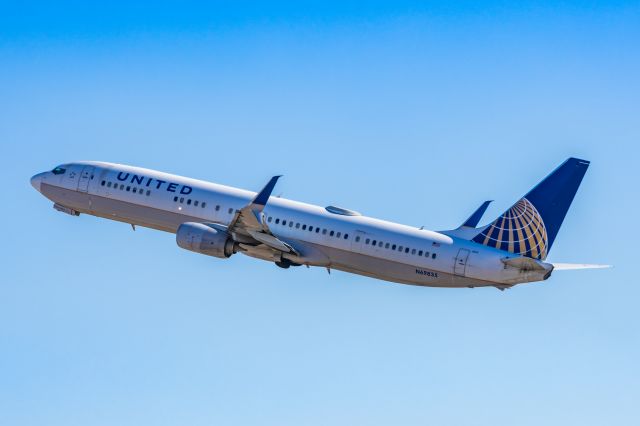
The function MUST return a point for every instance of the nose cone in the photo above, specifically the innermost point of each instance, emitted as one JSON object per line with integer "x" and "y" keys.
{"x": 36, "y": 181}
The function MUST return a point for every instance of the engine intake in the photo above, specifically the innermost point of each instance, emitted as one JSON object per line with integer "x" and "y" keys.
{"x": 203, "y": 239}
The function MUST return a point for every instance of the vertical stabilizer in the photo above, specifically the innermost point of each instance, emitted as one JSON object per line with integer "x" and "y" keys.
{"x": 530, "y": 226}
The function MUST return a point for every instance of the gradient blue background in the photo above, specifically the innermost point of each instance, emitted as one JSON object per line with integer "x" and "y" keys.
{"x": 409, "y": 111}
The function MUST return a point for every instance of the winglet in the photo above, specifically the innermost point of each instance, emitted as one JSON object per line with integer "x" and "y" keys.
{"x": 263, "y": 196}
{"x": 474, "y": 219}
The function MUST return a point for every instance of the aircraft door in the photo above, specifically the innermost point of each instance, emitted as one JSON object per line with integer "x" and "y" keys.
{"x": 460, "y": 266}
{"x": 358, "y": 241}
{"x": 85, "y": 178}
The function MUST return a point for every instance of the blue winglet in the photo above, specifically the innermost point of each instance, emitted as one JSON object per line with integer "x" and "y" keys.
{"x": 263, "y": 196}
{"x": 474, "y": 219}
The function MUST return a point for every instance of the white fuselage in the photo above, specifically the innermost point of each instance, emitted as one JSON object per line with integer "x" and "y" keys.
{"x": 352, "y": 243}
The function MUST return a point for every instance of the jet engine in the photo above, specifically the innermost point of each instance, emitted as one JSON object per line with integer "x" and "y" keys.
{"x": 203, "y": 239}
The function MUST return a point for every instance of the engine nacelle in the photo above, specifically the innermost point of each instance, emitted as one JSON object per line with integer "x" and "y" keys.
{"x": 205, "y": 240}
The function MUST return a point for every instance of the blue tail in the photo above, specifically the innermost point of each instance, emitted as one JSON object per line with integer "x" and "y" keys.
{"x": 530, "y": 226}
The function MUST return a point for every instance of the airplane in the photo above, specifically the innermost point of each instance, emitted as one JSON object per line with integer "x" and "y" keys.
{"x": 220, "y": 221}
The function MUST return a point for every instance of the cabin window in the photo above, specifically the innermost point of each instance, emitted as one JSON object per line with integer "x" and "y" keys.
{"x": 426, "y": 254}
{"x": 420, "y": 253}
{"x": 128, "y": 188}
{"x": 406, "y": 250}
{"x": 386, "y": 246}
{"x": 175, "y": 199}
{"x": 204, "y": 204}
{"x": 270, "y": 218}
{"x": 317, "y": 230}
{"x": 324, "y": 232}
{"x": 103, "y": 183}
{"x": 230, "y": 210}
{"x": 182, "y": 199}
{"x": 195, "y": 203}
{"x": 218, "y": 207}
{"x": 304, "y": 227}
{"x": 189, "y": 202}
{"x": 393, "y": 247}
{"x": 338, "y": 235}
{"x": 374, "y": 243}
{"x": 433, "y": 256}
{"x": 331, "y": 234}
{"x": 277, "y": 221}
{"x": 148, "y": 192}
{"x": 108, "y": 184}
{"x": 357, "y": 239}
{"x": 135, "y": 190}
{"x": 413, "y": 251}
{"x": 121, "y": 187}
{"x": 346, "y": 236}
{"x": 290, "y": 224}
{"x": 284, "y": 222}
{"x": 367, "y": 241}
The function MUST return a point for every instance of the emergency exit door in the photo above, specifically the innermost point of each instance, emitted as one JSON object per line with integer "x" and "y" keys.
{"x": 85, "y": 177}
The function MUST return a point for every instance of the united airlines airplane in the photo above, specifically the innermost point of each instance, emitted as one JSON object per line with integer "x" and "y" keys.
{"x": 220, "y": 221}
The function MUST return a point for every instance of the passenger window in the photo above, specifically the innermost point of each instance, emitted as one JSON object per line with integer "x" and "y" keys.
{"x": 338, "y": 235}
{"x": 317, "y": 230}
{"x": 277, "y": 221}
{"x": 134, "y": 190}
{"x": 128, "y": 188}
{"x": 406, "y": 250}
{"x": 284, "y": 223}
{"x": 148, "y": 192}
{"x": 393, "y": 247}
{"x": 121, "y": 187}
{"x": 181, "y": 199}
{"x": 366, "y": 241}
{"x": 103, "y": 183}
{"x": 218, "y": 207}
{"x": 270, "y": 218}
{"x": 204, "y": 205}
{"x": 374, "y": 243}
{"x": 175, "y": 199}
{"x": 298, "y": 225}
{"x": 426, "y": 254}
{"x": 433, "y": 256}
{"x": 290, "y": 224}
{"x": 304, "y": 227}
{"x": 420, "y": 253}
{"x": 195, "y": 203}
{"x": 189, "y": 202}
{"x": 230, "y": 210}
{"x": 386, "y": 246}
{"x": 380, "y": 244}
{"x": 331, "y": 234}
{"x": 324, "y": 232}
{"x": 413, "y": 251}
{"x": 399, "y": 248}
{"x": 346, "y": 236}
{"x": 357, "y": 239}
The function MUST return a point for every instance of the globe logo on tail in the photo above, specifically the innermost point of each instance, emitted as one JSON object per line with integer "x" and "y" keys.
{"x": 520, "y": 230}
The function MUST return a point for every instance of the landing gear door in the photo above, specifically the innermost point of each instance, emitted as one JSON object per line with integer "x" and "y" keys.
{"x": 86, "y": 175}
{"x": 460, "y": 267}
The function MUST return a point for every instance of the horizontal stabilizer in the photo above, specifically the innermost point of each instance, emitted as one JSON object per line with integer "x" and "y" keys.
{"x": 574, "y": 266}
{"x": 474, "y": 219}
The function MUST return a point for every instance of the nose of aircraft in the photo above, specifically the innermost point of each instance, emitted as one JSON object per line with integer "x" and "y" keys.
{"x": 36, "y": 180}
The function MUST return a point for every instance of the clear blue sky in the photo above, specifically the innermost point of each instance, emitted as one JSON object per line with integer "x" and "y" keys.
{"x": 410, "y": 111}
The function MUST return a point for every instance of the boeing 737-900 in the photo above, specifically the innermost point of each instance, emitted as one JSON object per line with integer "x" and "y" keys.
{"x": 220, "y": 221}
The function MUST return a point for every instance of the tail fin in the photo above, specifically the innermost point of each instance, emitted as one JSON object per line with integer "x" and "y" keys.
{"x": 530, "y": 226}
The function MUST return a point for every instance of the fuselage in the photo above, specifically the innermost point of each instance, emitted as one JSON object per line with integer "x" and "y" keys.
{"x": 330, "y": 237}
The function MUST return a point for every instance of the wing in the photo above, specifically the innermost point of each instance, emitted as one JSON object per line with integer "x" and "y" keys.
{"x": 249, "y": 224}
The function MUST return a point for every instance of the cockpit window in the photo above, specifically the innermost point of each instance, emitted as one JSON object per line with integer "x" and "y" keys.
{"x": 58, "y": 171}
